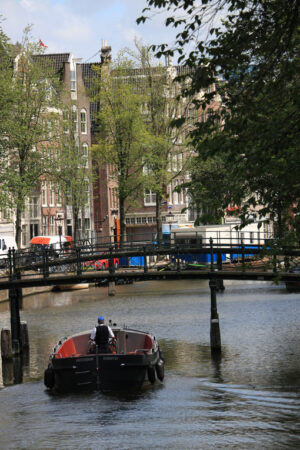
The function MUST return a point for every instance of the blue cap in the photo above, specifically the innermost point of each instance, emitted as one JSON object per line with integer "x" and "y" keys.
{"x": 101, "y": 318}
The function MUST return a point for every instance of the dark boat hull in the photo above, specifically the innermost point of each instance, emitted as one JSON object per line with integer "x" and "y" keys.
{"x": 135, "y": 358}
{"x": 102, "y": 372}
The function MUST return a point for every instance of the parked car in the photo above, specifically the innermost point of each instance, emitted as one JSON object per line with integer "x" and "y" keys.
{"x": 6, "y": 242}
{"x": 57, "y": 246}
{"x": 102, "y": 264}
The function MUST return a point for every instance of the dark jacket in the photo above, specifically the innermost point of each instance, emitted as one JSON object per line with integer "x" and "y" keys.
{"x": 101, "y": 338}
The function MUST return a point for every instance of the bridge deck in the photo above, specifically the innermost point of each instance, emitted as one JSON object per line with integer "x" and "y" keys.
{"x": 138, "y": 275}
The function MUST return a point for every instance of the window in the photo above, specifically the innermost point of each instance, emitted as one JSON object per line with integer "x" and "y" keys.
{"x": 149, "y": 198}
{"x": 44, "y": 193}
{"x": 45, "y": 225}
{"x": 24, "y": 235}
{"x": 83, "y": 123}
{"x": 73, "y": 80}
{"x": 58, "y": 196}
{"x": 49, "y": 128}
{"x": 33, "y": 208}
{"x": 147, "y": 170}
{"x": 51, "y": 194}
{"x": 87, "y": 224}
{"x": 87, "y": 192}
{"x": 75, "y": 118}
{"x": 66, "y": 119}
{"x": 85, "y": 160}
{"x": 52, "y": 225}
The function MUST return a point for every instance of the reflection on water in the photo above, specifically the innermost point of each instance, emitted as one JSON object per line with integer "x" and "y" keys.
{"x": 247, "y": 397}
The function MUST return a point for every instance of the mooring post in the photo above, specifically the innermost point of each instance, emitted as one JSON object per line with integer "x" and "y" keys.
{"x": 220, "y": 283}
{"x": 14, "y": 308}
{"x": 211, "y": 243}
{"x": 24, "y": 338}
{"x": 19, "y": 291}
{"x": 215, "y": 336}
{"x": 6, "y": 347}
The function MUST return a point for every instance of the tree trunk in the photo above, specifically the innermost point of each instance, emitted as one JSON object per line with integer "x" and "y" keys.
{"x": 158, "y": 218}
{"x": 18, "y": 226}
{"x": 83, "y": 232}
{"x": 75, "y": 221}
{"x": 122, "y": 221}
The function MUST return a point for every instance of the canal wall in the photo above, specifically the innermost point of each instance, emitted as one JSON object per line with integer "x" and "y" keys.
{"x": 26, "y": 291}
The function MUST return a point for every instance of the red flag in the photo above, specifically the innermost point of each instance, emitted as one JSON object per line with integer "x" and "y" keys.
{"x": 42, "y": 44}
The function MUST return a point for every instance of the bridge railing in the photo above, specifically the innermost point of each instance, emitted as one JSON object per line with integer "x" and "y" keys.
{"x": 45, "y": 261}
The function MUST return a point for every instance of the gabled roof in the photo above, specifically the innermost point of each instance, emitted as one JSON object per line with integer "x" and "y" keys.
{"x": 55, "y": 60}
{"x": 88, "y": 74}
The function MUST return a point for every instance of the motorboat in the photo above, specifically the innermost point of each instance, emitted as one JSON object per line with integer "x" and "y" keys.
{"x": 134, "y": 358}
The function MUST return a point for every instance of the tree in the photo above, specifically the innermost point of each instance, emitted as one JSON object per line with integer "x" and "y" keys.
{"x": 29, "y": 125}
{"x": 6, "y": 74}
{"x": 252, "y": 59}
{"x": 122, "y": 141}
{"x": 167, "y": 142}
{"x": 209, "y": 189}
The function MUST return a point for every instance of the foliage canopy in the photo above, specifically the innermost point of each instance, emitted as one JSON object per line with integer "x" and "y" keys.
{"x": 248, "y": 50}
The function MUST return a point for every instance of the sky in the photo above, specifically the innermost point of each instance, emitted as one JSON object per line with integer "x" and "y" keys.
{"x": 80, "y": 26}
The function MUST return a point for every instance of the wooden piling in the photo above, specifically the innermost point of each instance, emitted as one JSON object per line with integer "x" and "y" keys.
{"x": 6, "y": 345}
{"x": 220, "y": 283}
{"x": 24, "y": 338}
{"x": 111, "y": 288}
{"x": 215, "y": 335}
{"x": 15, "y": 320}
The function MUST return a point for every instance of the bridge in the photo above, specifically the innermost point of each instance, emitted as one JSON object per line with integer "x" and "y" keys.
{"x": 77, "y": 265}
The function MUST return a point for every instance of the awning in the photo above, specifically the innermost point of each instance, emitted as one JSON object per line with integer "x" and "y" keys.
{"x": 40, "y": 240}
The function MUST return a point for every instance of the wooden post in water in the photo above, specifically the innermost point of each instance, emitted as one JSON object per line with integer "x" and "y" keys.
{"x": 215, "y": 336}
{"x": 6, "y": 347}
{"x": 14, "y": 320}
{"x": 14, "y": 300}
{"x": 24, "y": 336}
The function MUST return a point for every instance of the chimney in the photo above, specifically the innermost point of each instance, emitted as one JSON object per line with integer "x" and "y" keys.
{"x": 168, "y": 61}
{"x": 105, "y": 53}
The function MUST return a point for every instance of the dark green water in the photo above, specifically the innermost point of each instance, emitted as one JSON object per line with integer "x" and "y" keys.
{"x": 248, "y": 398}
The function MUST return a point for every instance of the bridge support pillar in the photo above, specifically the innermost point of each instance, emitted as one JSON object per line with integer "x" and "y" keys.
{"x": 111, "y": 288}
{"x": 220, "y": 283}
{"x": 215, "y": 335}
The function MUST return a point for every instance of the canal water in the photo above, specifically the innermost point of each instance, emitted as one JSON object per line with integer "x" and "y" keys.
{"x": 246, "y": 399}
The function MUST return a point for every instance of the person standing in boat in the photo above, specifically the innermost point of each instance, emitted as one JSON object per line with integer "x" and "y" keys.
{"x": 101, "y": 335}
